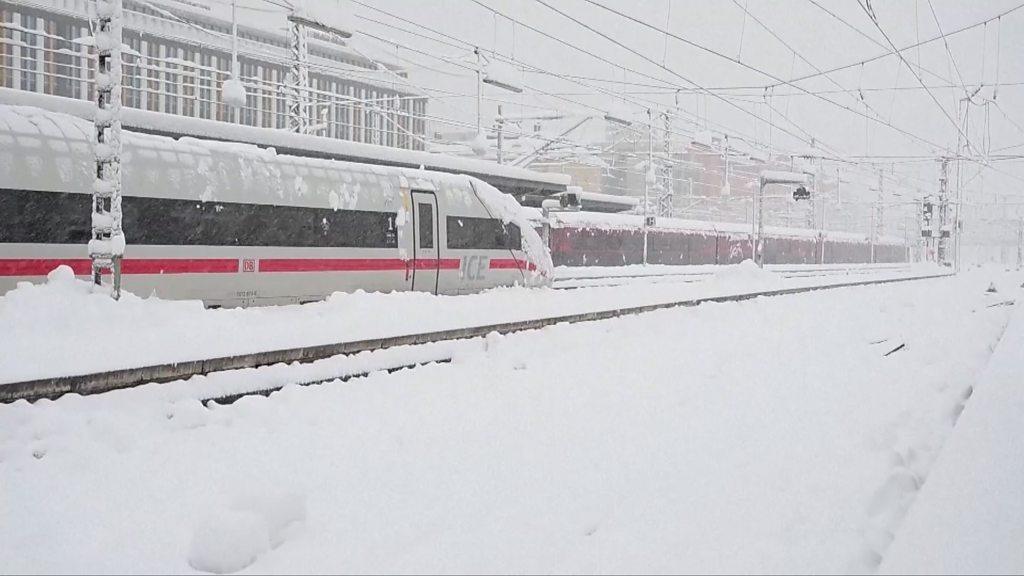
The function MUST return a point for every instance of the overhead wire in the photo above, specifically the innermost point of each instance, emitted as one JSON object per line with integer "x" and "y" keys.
{"x": 765, "y": 73}
{"x": 892, "y": 50}
{"x": 920, "y": 81}
{"x": 672, "y": 71}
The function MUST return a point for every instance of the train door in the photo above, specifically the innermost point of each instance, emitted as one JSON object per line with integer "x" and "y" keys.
{"x": 426, "y": 244}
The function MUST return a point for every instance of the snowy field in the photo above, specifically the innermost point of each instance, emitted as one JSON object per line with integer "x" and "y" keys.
{"x": 42, "y": 326}
{"x": 773, "y": 435}
{"x": 970, "y": 516}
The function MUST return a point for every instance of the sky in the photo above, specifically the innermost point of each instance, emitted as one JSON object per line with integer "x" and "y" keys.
{"x": 783, "y": 38}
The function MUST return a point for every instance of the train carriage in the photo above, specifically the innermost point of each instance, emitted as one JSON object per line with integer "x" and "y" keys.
{"x": 233, "y": 224}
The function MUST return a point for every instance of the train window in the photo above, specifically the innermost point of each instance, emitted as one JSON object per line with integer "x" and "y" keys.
{"x": 426, "y": 224}
{"x": 482, "y": 234}
{"x": 63, "y": 218}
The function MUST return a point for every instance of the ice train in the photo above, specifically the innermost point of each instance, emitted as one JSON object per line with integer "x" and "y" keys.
{"x": 237, "y": 225}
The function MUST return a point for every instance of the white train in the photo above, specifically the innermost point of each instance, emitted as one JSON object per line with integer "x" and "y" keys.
{"x": 237, "y": 225}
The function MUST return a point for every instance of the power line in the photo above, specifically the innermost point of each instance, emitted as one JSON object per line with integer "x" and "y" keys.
{"x": 945, "y": 42}
{"x": 801, "y": 57}
{"x": 869, "y": 37}
{"x": 767, "y": 74}
{"x": 905, "y": 48}
{"x": 617, "y": 65}
{"x": 532, "y": 68}
{"x": 919, "y": 80}
{"x": 662, "y": 66}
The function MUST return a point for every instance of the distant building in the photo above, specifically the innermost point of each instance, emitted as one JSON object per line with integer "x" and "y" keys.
{"x": 178, "y": 54}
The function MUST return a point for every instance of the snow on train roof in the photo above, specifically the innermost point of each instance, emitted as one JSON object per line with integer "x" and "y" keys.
{"x": 282, "y": 140}
{"x": 59, "y": 128}
{"x": 610, "y": 221}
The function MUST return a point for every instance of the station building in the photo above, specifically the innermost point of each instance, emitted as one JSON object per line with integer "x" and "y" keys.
{"x": 177, "y": 54}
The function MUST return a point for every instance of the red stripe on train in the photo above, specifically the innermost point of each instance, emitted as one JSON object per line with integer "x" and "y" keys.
{"x": 83, "y": 267}
{"x": 353, "y": 264}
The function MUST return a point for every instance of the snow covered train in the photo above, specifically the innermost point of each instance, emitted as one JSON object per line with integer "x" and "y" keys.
{"x": 594, "y": 239}
{"x": 234, "y": 225}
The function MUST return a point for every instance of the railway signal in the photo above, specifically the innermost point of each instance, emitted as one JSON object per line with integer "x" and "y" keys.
{"x": 768, "y": 177}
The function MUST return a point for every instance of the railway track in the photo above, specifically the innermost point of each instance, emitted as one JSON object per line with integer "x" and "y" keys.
{"x": 100, "y": 382}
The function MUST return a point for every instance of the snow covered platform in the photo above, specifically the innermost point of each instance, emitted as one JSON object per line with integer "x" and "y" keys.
{"x": 969, "y": 516}
{"x": 741, "y": 437}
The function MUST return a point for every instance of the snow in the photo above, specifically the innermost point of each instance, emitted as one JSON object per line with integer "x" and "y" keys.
{"x": 40, "y": 325}
{"x": 746, "y": 276}
{"x": 508, "y": 210}
{"x": 145, "y": 120}
{"x": 783, "y": 177}
{"x": 613, "y": 221}
{"x": 234, "y": 93}
{"x": 969, "y": 517}
{"x": 230, "y": 539}
{"x": 742, "y": 437}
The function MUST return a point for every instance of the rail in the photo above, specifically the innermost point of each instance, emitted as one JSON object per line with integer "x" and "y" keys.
{"x": 100, "y": 382}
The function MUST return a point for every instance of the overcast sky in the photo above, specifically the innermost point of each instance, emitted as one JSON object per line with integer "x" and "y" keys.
{"x": 720, "y": 25}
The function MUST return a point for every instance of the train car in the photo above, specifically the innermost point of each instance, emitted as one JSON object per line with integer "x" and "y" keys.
{"x": 589, "y": 239}
{"x": 237, "y": 225}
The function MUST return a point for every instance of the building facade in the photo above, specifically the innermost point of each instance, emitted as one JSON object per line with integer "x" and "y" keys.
{"x": 176, "y": 58}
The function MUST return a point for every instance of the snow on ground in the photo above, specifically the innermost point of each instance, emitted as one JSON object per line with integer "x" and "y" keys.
{"x": 969, "y": 518}
{"x": 771, "y": 435}
{"x": 55, "y": 329}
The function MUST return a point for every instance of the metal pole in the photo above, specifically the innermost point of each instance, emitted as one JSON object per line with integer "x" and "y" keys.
{"x": 107, "y": 244}
{"x": 874, "y": 217}
{"x": 1020, "y": 245}
{"x": 479, "y": 91}
{"x": 499, "y": 123}
{"x": 297, "y": 106}
{"x": 234, "y": 53}
{"x": 647, "y": 175}
{"x": 759, "y": 236}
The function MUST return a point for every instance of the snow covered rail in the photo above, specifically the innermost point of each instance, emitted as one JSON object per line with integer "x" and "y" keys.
{"x": 100, "y": 382}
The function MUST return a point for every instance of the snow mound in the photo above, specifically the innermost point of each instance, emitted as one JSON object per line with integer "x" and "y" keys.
{"x": 228, "y": 542}
{"x": 746, "y": 276}
{"x": 233, "y": 539}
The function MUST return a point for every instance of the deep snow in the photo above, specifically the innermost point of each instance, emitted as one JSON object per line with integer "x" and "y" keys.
{"x": 772, "y": 435}
{"x": 49, "y": 330}
{"x": 969, "y": 518}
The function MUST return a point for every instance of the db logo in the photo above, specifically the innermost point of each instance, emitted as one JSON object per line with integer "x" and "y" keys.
{"x": 248, "y": 265}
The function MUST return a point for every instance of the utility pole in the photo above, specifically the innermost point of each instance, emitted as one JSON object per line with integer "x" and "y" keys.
{"x": 1020, "y": 244}
{"x": 648, "y": 176}
{"x": 499, "y": 124}
{"x": 667, "y": 200}
{"x": 298, "y": 121}
{"x": 942, "y": 247}
{"x": 106, "y": 247}
{"x": 234, "y": 54}
{"x": 876, "y": 213}
{"x": 479, "y": 91}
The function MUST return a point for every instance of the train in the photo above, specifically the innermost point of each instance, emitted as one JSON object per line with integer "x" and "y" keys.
{"x": 595, "y": 239}
{"x": 233, "y": 224}
{"x": 240, "y": 224}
